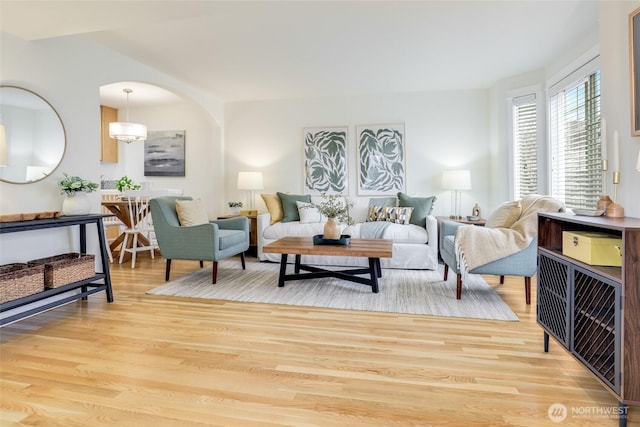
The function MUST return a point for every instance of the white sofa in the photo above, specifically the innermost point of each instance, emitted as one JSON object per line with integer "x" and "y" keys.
{"x": 414, "y": 246}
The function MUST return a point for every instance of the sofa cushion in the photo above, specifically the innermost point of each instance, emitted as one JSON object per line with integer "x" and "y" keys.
{"x": 191, "y": 212}
{"x": 289, "y": 208}
{"x": 274, "y": 206}
{"x": 399, "y": 233}
{"x": 308, "y": 213}
{"x": 422, "y": 207}
{"x": 505, "y": 215}
{"x": 383, "y": 201}
{"x": 295, "y": 228}
{"x": 358, "y": 209}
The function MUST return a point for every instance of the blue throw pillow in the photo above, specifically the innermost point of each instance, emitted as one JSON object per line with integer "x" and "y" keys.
{"x": 422, "y": 207}
{"x": 289, "y": 207}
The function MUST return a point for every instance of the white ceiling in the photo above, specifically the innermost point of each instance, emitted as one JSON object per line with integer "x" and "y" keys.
{"x": 252, "y": 50}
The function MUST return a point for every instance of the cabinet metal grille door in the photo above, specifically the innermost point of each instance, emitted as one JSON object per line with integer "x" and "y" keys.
{"x": 596, "y": 325}
{"x": 553, "y": 300}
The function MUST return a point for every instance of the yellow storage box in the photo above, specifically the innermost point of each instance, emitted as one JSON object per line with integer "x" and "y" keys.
{"x": 593, "y": 248}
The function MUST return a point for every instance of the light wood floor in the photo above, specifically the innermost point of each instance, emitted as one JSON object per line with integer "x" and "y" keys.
{"x": 155, "y": 361}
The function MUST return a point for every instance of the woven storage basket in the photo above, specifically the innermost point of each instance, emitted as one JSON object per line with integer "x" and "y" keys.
{"x": 63, "y": 269}
{"x": 20, "y": 280}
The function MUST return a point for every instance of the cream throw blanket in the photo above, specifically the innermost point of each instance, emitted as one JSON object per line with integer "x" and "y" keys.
{"x": 477, "y": 246}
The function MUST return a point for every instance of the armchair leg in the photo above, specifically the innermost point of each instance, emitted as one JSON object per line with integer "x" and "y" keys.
{"x": 242, "y": 260}
{"x": 459, "y": 286}
{"x": 214, "y": 274}
{"x": 527, "y": 289}
{"x": 446, "y": 271}
{"x": 167, "y": 271}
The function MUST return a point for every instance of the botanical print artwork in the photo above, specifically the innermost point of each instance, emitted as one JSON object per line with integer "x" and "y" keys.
{"x": 164, "y": 153}
{"x": 325, "y": 160}
{"x": 381, "y": 164}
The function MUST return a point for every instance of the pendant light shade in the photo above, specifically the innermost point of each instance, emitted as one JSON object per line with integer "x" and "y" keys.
{"x": 127, "y": 131}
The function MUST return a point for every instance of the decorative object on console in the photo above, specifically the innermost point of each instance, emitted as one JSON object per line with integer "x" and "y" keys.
{"x": 381, "y": 159}
{"x": 456, "y": 181}
{"x": 614, "y": 209}
{"x": 250, "y": 181}
{"x": 605, "y": 200}
{"x": 325, "y": 160}
{"x": 127, "y": 131}
{"x": 75, "y": 190}
{"x": 164, "y": 153}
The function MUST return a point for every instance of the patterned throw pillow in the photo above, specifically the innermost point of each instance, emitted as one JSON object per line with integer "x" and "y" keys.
{"x": 393, "y": 214}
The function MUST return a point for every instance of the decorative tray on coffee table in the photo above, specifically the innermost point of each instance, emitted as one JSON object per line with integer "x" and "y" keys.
{"x": 319, "y": 239}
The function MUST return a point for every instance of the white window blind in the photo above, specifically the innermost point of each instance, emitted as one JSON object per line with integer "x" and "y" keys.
{"x": 574, "y": 134}
{"x": 525, "y": 146}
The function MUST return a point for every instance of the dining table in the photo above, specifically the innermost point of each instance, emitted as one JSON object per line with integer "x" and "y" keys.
{"x": 121, "y": 209}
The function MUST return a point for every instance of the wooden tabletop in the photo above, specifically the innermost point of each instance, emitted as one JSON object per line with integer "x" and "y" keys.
{"x": 370, "y": 248}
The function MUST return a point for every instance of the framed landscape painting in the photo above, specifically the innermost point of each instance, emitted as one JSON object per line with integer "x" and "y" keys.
{"x": 325, "y": 160}
{"x": 381, "y": 159}
{"x": 164, "y": 153}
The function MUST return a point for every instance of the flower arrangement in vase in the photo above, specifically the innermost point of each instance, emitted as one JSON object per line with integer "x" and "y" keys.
{"x": 75, "y": 190}
{"x": 235, "y": 207}
{"x": 126, "y": 184}
{"x": 334, "y": 208}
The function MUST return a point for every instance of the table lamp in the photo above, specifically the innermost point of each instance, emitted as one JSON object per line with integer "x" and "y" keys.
{"x": 250, "y": 181}
{"x": 456, "y": 181}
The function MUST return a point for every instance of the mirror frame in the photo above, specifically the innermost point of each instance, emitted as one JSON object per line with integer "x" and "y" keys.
{"x": 64, "y": 135}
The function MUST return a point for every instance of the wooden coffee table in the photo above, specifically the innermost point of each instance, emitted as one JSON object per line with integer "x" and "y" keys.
{"x": 373, "y": 249}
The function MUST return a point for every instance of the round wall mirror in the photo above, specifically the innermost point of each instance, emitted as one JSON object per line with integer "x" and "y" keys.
{"x": 32, "y": 134}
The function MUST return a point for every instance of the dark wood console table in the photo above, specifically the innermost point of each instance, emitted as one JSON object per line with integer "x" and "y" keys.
{"x": 87, "y": 286}
{"x": 592, "y": 311}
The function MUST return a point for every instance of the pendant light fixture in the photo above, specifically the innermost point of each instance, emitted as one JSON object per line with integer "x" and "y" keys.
{"x": 127, "y": 131}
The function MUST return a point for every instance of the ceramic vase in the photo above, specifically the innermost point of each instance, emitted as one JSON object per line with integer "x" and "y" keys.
{"x": 76, "y": 204}
{"x": 331, "y": 229}
{"x": 235, "y": 210}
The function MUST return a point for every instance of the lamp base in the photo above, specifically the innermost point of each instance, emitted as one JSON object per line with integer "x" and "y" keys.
{"x": 455, "y": 216}
{"x": 614, "y": 210}
{"x": 604, "y": 202}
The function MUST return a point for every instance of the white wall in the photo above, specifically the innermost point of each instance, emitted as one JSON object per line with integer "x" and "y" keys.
{"x": 616, "y": 97}
{"x": 204, "y": 175}
{"x": 68, "y": 72}
{"x": 444, "y": 130}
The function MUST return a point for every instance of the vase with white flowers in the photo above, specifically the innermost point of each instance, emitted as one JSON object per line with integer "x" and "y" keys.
{"x": 235, "y": 207}
{"x": 336, "y": 210}
{"x": 75, "y": 190}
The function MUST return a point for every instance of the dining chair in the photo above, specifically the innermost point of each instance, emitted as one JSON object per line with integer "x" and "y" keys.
{"x": 140, "y": 236}
{"x": 111, "y": 221}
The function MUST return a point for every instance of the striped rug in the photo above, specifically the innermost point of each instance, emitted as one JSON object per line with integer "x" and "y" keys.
{"x": 401, "y": 291}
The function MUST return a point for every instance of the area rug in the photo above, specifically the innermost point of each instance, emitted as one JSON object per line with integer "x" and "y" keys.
{"x": 401, "y": 291}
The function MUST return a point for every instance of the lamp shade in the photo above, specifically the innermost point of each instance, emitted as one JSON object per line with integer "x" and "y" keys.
{"x": 127, "y": 132}
{"x": 3, "y": 147}
{"x": 456, "y": 180}
{"x": 250, "y": 181}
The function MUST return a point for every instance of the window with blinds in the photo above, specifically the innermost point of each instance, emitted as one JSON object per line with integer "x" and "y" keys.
{"x": 574, "y": 131}
{"x": 525, "y": 146}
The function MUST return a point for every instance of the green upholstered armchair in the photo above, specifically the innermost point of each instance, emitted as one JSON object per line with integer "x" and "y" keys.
{"x": 507, "y": 246}
{"x": 214, "y": 241}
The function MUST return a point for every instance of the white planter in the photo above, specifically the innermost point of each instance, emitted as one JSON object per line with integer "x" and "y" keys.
{"x": 235, "y": 211}
{"x": 76, "y": 204}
